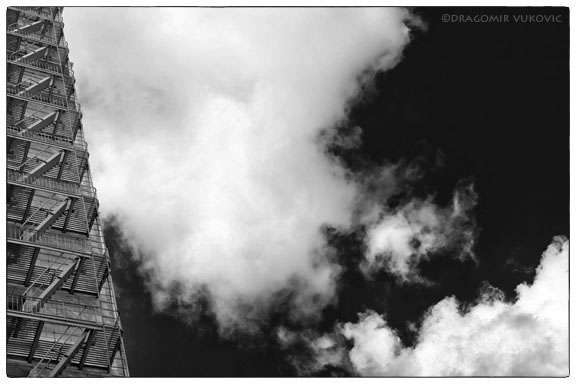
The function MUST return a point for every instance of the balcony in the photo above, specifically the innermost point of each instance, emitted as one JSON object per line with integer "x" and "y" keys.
{"x": 57, "y": 101}
{"x": 75, "y": 312}
{"x": 45, "y": 138}
{"x": 58, "y": 241}
{"x": 19, "y": 58}
{"x": 39, "y": 12}
{"x": 36, "y": 36}
{"x": 41, "y": 182}
{"x": 24, "y": 130}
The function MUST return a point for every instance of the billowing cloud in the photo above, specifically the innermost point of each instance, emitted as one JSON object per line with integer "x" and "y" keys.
{"x": 397, "y": 240}
{"x": 203, "y": 128}
{"x": 528, "y": 337}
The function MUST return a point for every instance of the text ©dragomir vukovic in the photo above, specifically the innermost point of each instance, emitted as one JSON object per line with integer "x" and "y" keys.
{"x": 502, "y": 18}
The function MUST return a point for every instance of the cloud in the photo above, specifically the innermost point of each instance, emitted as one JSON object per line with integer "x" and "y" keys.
{"x": 203, "y": 128}
{"x": 528, "y": 337}
{"x": 310, "y": 353}
{"x": 398, "y": 239}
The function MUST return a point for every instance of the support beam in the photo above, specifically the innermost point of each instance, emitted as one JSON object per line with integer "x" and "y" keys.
{"x": 35, "y": 88}
{"x": 62, "y": 164}
{"x": 11, "y": 145}
{"x": 76, "y": 126}
{"x": 77, "y": 276}
{"x": 26, "y": 150}
{"x": 35, "y": 342}
{"x": 44, "y": 29}
{"x": 41, "y": 124}
{"x": 12, "y": 17}
{"x": 33, "y": 56}
{"x": 15, "y": 47}
{"x": 113, "y": 353}
{"x": 51, "y": 87}
{"x": 28, "y": 205}
{"x": 15, "y": 326}
{"x": 87, "y": 348}
{"x": 10, "y": 195}
{"x": 56, "y": 124}
{"x": 23, "y": 110}
{"x": 60, "y": 34}
{"x": 13, "y": 255}
{"x": 21, "y": 75}
{"x": 84, "y": 169}
{"x": 104, "y": 277}
{"x": 35, "y": 303}
{"x": 71, "y": 90}
{"x": 54, "y": 214}
{"x": 42, "y": 168}
{"x": 32, "y": 266}
{"x": 92, "y": 218}
{"x": 68, "y": 356}
{"x": 67, "y": 219}
{"x": 30, "y": 28}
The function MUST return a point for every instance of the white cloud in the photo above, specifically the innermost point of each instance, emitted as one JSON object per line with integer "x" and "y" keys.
{"x": 397, "y": 240}
{"x": 492, "y": 338}
{"x": 315, "y": 352}
{"x": 202, "y": 126}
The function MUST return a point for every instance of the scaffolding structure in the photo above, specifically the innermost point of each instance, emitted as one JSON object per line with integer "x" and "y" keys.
{"x": 62, "y": 317}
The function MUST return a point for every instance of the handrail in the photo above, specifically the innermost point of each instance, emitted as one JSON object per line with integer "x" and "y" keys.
{"x": 47, "y": 39}
{"x": 37, "y": 63}
{"x": 45, "y": 137}
{"x": 49, "y": 239}
{"x": 51, "y": 100}
{"x": 43, "y": 182}
{"x": 39, "y": 12}
{"x": 17, "y": 128}
{"x": 56, "y": 308}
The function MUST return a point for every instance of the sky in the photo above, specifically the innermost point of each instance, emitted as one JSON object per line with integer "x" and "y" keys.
{"x": 331, "y": 191}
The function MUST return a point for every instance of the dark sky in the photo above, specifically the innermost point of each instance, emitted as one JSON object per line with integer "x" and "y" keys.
{"x": 485, "y": 102}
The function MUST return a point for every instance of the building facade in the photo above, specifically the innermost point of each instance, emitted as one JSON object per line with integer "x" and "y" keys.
{"x": 62, "y": 318}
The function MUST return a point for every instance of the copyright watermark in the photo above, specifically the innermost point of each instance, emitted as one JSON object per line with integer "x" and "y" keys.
{"x": 501, "y": 18}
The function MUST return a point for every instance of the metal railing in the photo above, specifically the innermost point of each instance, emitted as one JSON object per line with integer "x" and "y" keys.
{"x": 55, "y": 308}
{"x": 42, "y": 182}
{"x": 46, "y": 38}
{"x": 51, "y": 100}
{"x": 15, "y": 58}
{"x": 45, "y": 138}
{"x": 49, "y": 239}
{"x": 39, "y": 12}
{"x": 88, "y": 191}
{"x": 19, "y": 128}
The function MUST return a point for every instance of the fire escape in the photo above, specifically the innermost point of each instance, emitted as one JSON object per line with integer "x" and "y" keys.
{"x": 62, "y": 318}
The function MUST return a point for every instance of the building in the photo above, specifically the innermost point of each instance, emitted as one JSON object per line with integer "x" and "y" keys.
{"x": 62, "y": 318}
